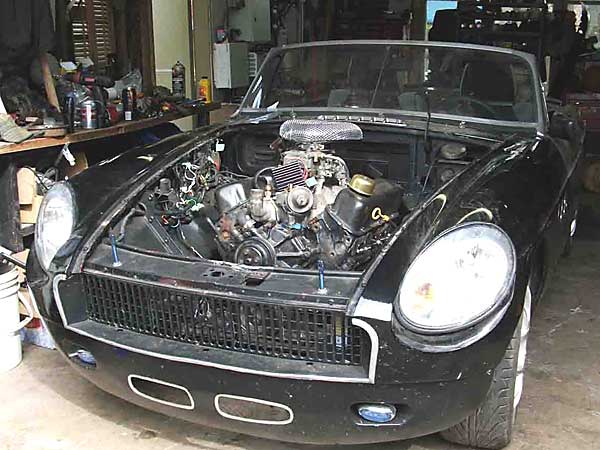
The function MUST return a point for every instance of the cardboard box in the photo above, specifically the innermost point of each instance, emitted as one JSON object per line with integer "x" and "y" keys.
{"x": 588, "y": 107}
{"x": 24, "y": 294}
{"x": 30, "y": 212}
{"x": 27, "y": 186}
{"x": 22, "y": 256}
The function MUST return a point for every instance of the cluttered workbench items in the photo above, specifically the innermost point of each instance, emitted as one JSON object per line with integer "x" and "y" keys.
{"x": 11, "y": 132}
{"x": 42, "y": 96}
{"x": 79, "y": 98}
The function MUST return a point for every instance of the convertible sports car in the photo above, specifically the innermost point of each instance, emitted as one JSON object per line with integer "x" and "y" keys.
{"x": 353, "y": 258}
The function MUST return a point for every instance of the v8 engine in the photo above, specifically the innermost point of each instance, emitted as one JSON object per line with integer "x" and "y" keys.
{"x": 307, "y": 211}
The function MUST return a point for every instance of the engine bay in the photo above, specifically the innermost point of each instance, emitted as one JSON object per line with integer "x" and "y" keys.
{"x": 307, "y": 207}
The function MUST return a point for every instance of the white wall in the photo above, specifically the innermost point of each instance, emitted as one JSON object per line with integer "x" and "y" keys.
{"x": 171, "y": 44}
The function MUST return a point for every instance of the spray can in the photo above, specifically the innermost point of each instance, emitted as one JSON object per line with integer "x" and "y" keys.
{"x": 178, "y": 74}
{"x": 70, "y": 108}
{"x": 204, "y": 92}
{"x": 89, "y": 114}
{"x": 129, "y": 96}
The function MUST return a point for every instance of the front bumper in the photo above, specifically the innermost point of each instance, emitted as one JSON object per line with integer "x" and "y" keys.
{"x": 432, "y": 392}
{"x": 322, "y": 412}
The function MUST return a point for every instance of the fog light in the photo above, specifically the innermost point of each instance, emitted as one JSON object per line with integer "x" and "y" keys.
{"x": 377, "y": 413}
{"x": 83, "y": 357}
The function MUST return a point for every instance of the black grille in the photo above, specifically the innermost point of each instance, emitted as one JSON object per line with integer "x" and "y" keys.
{"x": 281, "y": 331}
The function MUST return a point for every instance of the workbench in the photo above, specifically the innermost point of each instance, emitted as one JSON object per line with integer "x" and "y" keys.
{"x": 11, "y": 232}
{"x": 116, "y": 130}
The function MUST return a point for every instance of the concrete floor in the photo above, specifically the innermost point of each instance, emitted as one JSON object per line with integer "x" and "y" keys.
{"x": 46, "y": 406}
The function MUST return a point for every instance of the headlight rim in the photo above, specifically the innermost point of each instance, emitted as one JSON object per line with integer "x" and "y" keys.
{"x": 38, "y": 224}
{"x": 454, "y": 341}
{"x": 499, "y": 307}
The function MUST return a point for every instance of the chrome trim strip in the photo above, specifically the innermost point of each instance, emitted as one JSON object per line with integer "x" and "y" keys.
{"x": 410, "y": 43}
{"x": 61, "y": 311}
{"x": 374, "y": 346}
{"x": 370, "y": 331}
{"x": 381, "y": 425}
{"x": 371, "y": 309}
{"x": 189, "y": 407}
{"x": 289, "y": 420}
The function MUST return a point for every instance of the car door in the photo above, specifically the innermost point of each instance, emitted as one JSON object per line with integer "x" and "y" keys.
{"x": 565, "y": 147}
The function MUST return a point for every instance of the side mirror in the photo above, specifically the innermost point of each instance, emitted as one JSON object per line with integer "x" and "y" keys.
{"x": 562, "y": 126}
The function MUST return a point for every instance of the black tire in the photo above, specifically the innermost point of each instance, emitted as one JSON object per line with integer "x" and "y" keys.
{"x": 491, "y": 425}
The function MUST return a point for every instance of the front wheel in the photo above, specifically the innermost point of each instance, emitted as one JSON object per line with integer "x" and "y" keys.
{"x": 491, "y": 426}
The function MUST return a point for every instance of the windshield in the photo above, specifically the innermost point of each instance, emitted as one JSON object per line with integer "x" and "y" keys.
{"x": 448, "y": 81}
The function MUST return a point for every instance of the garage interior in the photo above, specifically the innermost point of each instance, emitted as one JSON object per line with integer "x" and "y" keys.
{"x": 187, "y": 64}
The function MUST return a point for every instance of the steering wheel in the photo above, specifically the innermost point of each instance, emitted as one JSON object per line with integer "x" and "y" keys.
{"x": 457, "y": 102}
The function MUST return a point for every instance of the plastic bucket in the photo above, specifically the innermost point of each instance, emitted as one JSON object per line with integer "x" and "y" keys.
{"x": 11, "y": 352}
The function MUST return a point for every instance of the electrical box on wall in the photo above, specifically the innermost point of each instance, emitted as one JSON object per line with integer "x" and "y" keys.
{"x": 253, "y": 20}
{"x": 230, "y": 61}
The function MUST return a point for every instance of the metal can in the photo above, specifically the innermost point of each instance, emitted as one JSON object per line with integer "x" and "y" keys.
{"x": 178, "y": 74}
{"x": 70, "y": 113}
{"x": 204, "y": 92}
{"x": 88, "y": 111}
{"x": 129, "y": 96}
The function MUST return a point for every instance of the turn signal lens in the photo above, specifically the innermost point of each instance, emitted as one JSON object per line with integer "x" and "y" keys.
{"x": 84, "y": 358}
{"x": 377, "y": 413}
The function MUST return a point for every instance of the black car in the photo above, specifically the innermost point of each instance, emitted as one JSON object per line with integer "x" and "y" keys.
{"x": 352, "y": 258}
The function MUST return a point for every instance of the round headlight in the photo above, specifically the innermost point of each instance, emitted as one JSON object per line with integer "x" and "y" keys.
{"x": 55, "y": 223}
{"x": 458, "y": 279}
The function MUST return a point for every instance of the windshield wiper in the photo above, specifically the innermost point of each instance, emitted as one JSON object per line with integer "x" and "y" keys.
{"x": 379, "y": 78}
{"x": 269, "y": 116}
{"x": 426, "y": 141}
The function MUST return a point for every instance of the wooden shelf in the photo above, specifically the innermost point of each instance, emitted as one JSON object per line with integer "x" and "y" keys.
{"x": 510, "y": 35}
{"x": 496, "y": 17}
{"x": 504, "y": 3}
{"x": 495, "y": 24}
{"x": 116, "y": 130}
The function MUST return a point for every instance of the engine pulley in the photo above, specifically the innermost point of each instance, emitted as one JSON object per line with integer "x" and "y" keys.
{"x": 255, "y": 252}
{"x": 300, "y": 200}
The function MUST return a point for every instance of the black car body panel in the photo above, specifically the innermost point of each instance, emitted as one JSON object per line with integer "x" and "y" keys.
{"x": 523, "y": 183}
{"x": 328, "y": 418}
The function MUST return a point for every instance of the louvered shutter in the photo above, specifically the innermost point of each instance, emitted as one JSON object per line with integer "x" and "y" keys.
{"x": 93, "y": 31}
